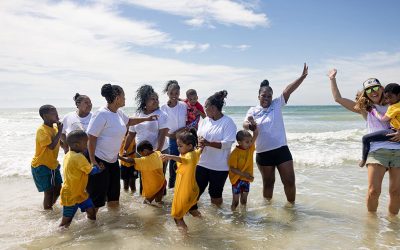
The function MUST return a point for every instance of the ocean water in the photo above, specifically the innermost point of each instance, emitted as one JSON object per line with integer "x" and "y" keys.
{"x": 330, "y": 210}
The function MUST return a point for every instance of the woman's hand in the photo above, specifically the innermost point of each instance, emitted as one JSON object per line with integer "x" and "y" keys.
{"x": 332, "y": 74}
{"x": 396, "y": 136}
{"x": 202, "y": 142}
{"x": 305, "y": 71}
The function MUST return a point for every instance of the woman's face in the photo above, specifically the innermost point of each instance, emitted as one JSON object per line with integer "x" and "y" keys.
{"x": 173, "y": 94}
{"x": 120, "y": 99}
{"x": 210, "y": 109}
{"x": 85, "y": 106}
{"x": 375, "y": 94}
{"x": 152, "y": 103}
{"x": 265, "y": 97}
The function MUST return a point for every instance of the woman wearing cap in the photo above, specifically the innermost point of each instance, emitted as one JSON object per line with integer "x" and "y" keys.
{"x": 271, "y": 144}
{"x": 383, "y": 156}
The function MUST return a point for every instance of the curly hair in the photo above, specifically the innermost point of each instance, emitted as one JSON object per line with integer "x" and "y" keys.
{"x": 218, "y": 99}
{"x": 363, "y": 102}
{"x": 143, "y": 93}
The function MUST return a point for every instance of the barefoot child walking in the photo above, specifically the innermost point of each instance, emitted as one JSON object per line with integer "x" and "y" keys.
{"x": 45, "y": 166}
{"x": 186, "y": 189}
{"x": 76, "y": 169}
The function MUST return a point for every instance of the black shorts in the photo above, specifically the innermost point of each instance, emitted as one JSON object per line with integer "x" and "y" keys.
{"x": 105, "y": 186}
{"x": 128, "y": 173}
{"x": 216, "y": 179}
{"x": 274, "y": 157}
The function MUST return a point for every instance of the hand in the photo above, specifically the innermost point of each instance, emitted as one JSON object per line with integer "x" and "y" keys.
{"x": 101, "y": 165}
{"x": 202, "y": 142}
{"x": 396, "y": 136}
{"x": 249, "y": 176}
{"x": 253, "y": 124}
{"x": 305, "y": 71}
{"x": 165, "y": 157}
{"x": 152, "y": 118}
{"x": 59, "y": 127}
{"x": 332, "y": 74}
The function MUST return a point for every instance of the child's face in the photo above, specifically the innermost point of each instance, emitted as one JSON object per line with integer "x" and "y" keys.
{"x": 51, "y": 116}
{"x": 391, "y": 98}
{"x": 173, "y": 94}
{"x": 184, "y": 148}
{"x": 192, "y": 99}
{"x": 145, "y": 152}
{"x": 245, "y": 143}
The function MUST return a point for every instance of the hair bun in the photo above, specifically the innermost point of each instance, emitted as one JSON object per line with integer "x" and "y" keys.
{"x": 77, "y": 95}
{"x": 264, "y": 83}
{"x": 106, "y": 90}
{"x": 222, "y": 94}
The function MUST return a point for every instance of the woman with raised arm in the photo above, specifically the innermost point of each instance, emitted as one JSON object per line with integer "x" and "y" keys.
{"x": 383, "y": 156}
{"x": 271, "y": 144}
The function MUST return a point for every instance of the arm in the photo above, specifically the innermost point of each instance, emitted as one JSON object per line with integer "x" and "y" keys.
{"x": 56, "y": 138}
{"x": 255, "y": 135}
{"x": 129, "y": 139}
{"x": 204, "y": 143}
{"x": 135, "y": 121}
{"x": 294, "y": 85}
{"x": 64, "y": 143}
{"x": 380, "y": 117}
{"x": 91, "y": 149}
{"x": 166, "y": 157}
{"x": 161, "y": 138}
{"x": 238, "y": 172}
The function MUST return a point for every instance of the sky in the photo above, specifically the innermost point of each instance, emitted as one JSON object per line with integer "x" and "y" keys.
{"x": 49, "y": 50}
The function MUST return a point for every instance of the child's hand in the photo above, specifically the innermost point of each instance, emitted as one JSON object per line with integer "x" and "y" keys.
{"x": 332, "y": 74}
{"x": 59, "y": 126}
{"x": 152, "y": 118}
{"x": 249, "y": 176}
{"x": 253, "y": 124}
{"x": 165, "y": 157}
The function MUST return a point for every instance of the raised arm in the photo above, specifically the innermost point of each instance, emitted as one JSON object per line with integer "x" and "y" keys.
{"x": 56, "y": 138}
{"x": 344, "y": 102}
{"x": 294, "y": 85}
{"x": 134, "y": 121}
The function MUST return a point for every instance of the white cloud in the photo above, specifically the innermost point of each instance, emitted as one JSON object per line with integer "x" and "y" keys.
{"x": 240, "y": 47}
{"x": 186, "y": 46}
{"x": 201, "y": 12}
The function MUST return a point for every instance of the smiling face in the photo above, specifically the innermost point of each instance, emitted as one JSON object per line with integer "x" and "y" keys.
{"x": 265, "y": 97}
{"x": 392, "y": 98}
{"x": 152, "y": 103}
{"x": 192, "y": 99}
{"x": 173, "y": 94}
{"x": 375, "y": 94}
{"x": 85, "y": 105}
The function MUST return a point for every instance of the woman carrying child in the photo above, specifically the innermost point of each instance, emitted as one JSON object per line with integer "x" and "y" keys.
{"x": 383, "y": 156}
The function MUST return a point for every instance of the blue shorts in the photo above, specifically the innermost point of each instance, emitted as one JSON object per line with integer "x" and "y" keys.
{"x": 45, "y": 178}
{"x": 69, "y": 211}
{"x": 241, "y": 186}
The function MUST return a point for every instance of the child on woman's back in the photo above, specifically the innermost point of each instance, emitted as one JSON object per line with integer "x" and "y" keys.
{"x": 241, "y": 165}
{"x": 195, "y": 109}
{"x": 45, "y": 166}
{"x": 76, "y": 169}
{"x": 150, "y": 166}
{"x": 186, "y": 189}
{"x": 392, "y": 96}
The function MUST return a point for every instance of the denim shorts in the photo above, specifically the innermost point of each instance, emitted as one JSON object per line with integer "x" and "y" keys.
{"x": 69, "y": 211}
{"x": 389, "y": 158}
{"x": 45, "y": 178}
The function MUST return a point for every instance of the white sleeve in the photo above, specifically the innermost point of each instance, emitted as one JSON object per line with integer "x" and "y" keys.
{"x": 281, "y": 100}
{"x": 124, "y": 117}
{"x": 229, "y": 135}
{"x": 96, "y": 124}
{"x": 132, "y": 129}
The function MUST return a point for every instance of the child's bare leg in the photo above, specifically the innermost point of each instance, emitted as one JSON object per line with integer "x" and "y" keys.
{"x": 48, "y": 199}
{"x": 91, "y": 213}
{"x": 243, "y": 198}
{"x": 180, "y": 223}
{"x": 235, "y": 201}
{"x": 56, "y": 193}
{"x": 65, "y": 221}
{"x": 132, "y": 184}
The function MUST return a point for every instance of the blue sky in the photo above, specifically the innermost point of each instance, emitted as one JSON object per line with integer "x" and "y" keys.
{"x": 52, "y": 49}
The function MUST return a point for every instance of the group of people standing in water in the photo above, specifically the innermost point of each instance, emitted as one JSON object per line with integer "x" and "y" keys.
{"x": 194, "y": 142}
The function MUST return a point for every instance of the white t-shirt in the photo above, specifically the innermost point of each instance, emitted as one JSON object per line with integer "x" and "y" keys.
{"x": 270, "y": 125}
{"x": 72, "y": 121}
{"x": 149, "y": 130}
{"x": 176, "y": 116}
{"x": 222, "y": 130}
{"x": 110, "y": 129}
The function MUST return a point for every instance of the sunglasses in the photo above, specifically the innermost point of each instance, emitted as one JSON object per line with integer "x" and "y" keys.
{"x": 375, "y": 89}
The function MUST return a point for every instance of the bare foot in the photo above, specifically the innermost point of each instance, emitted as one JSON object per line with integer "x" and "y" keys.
{"x": 147, "y": 202}
{"x": 195, "y": 213}
{"x": 362, "y": 163}
{"x": 181, "y": 224}
{"x": 233, "y": 207}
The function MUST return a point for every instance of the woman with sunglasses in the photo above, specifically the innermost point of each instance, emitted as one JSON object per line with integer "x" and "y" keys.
{"x": 383, "y": 156}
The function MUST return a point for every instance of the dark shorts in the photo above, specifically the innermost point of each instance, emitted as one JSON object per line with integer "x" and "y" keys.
{"x": 216, "y": 179}
{"x": 105, "y": 186}
{"x": 241, "y": 186}
{"x": 128, "y": 173}
{"x": 45, "y": 178}
{"x": 69, "y": 211}
{"x": 274, "y": 157}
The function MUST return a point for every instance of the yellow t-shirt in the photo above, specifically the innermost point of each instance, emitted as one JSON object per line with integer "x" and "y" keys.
{"x": 44, "y": 155}
{"x": 186, "y": 189}
{"x": 151, "y": 168}
{"x": 75, "y": 170}
{"x": 130, "y": 149}
{"x": 242, "y": 160}
{"x": 394, "y": 113}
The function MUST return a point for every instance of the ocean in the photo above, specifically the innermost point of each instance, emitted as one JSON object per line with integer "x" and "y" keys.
{"x": 330, "y": 210}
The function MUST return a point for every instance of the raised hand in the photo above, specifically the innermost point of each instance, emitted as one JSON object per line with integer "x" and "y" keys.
{"x": 332, "y": 74}
{"x": 305, "y": 71}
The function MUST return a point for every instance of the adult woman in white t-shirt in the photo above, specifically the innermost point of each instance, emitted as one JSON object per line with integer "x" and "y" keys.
{"x": 217, "y": 133}
{"x": 76, "y": 120}
{"x": 271, "y": 144}
{"x": 177, "y": 113}
{"x": 106, "y": 131}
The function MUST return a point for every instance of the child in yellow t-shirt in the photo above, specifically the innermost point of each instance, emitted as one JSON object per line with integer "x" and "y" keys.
{"x": 186, "y": 190}
{"x": 76, "y": 169}
{"x": 392, "y": 96}
{"x": 128, "y": 172}
{"x": 241, "y": 166}
{"x": 150, "y": 166}
{"x": 45, "y": 166}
